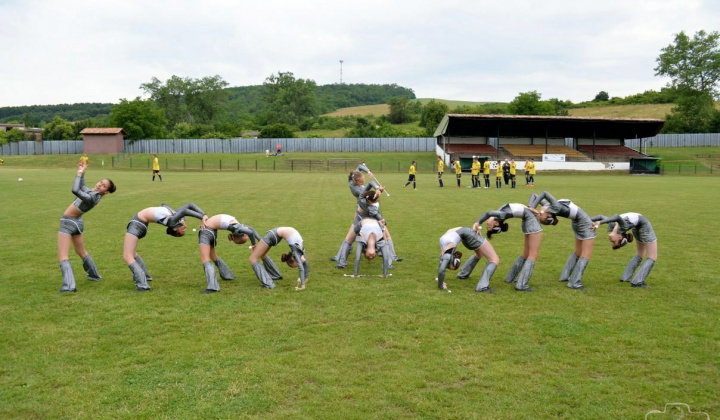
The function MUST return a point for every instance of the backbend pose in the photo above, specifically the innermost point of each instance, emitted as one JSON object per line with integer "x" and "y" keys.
{"x": 294, "y": 258}
{"x": 582, "y": 226}
{"x": 522, "y": 268}
{"x": 619, "y": 226}
{"x": 371, "y": 242}
{"x": 207, "y": 241}
{"x": 137, "y": 229}
{"x": 71, "y": 227}
{"x": 450, "y": 257}
{"x": 358, "y": 188}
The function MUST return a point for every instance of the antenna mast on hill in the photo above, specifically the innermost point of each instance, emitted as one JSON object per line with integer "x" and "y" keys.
{"x": 341, "y": 61}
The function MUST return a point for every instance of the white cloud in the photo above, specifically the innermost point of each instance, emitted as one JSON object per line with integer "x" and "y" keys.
{"x": 68, "y": 51}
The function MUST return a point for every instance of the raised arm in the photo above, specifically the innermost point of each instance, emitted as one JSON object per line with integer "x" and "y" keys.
{"x": 189, "y": 209}
{"x": 536, "y": 199}
{"x": 622, "y": 224}
{"x": 302, "y": 263}
{"x": 79, "y": 188}
{"x": 494, "y": 213}
{"x": 241, "y": 229}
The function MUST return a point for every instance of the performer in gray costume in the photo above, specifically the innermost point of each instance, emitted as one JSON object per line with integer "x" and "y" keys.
{"x": 71, "y": 228}
{"x": 619, "y": 227}
{"x": 523, "y": 266}
{"x": 371, "y": 242}
{"x": 295, "y": 258}
{"x": 137, "y": 228}
{"x": 582, "y": 226}
{"x": 356, "y": 182}
{"x": 472, "y": 240}
{"x": 207, "y": 242}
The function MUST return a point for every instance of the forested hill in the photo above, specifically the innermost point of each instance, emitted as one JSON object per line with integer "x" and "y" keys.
{"x": 242, "y": 100}
{"x": 36, "y": 115}
{"x": 248, "y": 99}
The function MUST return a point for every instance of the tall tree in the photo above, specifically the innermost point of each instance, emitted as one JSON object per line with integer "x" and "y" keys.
{"x": 529, "y": 103}
{"x": 602, "y": 97}
{"x": 432, "y": 113}
{"x": 58, "y": 129}
{"x": 288, "y": 100}
{"x": 141, "y": 119}
{"x": 188, "y": 100}
{"x": 694, "y": 112}
{"x": 692, "y": 63}
{"x": 400, "y": 110}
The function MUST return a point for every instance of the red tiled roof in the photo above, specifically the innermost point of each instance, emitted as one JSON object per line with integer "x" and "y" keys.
{"x": 102, "y": 130}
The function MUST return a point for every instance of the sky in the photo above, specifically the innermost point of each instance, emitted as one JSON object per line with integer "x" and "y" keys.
{"x": 72, "y": 51}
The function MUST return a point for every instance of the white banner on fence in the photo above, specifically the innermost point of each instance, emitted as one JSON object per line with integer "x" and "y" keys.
{"x": 548, "y": 157}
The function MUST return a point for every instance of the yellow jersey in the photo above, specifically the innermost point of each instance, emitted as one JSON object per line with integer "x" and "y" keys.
{"x": 412, "y": 170}
{"x": 531, "y": 168}
{"x": 486, "y": 168}
{"x": 498, "y": 172}
{"x": 156, "y": 165}
{"x": 458, "y": 168}
{"x": 475, "y": 168}
{"x": 441, "y": 166}
{"x": 512, "y": 168}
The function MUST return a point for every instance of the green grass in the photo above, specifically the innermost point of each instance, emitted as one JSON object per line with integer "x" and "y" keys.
{"x": 346, "y": 348}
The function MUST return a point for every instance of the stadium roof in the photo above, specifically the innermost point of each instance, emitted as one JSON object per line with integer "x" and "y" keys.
{"x": 537, "y": 126}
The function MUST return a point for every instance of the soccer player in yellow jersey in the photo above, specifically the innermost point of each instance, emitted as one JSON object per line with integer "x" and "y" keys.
{"x": 156, "y": 168}
{"x": 486, "y": 173}
{"x": 513, "y": 165}
{"x": 84, "y": 159}
{"x": 498, "y": 176}
{"x": 475, "y": 172}
{"x": 441, "y": 168}
{"x": 531, "y": 172}
{"x": 411, "y": 174}
{"x": 458, "y": 171}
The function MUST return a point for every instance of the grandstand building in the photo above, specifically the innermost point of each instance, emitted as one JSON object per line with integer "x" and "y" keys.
{"x": 519, "y": 137}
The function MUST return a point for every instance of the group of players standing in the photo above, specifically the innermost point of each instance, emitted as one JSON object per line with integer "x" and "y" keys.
{"x": 504, "y": 171}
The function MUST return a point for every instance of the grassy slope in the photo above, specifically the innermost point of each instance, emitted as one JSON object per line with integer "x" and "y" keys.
{"x": 623, "y": 111}
{"x": 344, "y": 348}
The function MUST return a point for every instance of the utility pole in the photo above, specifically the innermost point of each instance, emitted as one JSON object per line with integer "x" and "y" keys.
{"x": 341, "y": 61}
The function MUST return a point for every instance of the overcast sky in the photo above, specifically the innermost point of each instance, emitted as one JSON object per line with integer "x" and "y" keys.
{"x": 70, "y": 51}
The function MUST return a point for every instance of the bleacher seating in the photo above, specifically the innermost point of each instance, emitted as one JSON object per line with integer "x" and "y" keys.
{"x": 536, "y": 151}
{"x": 602, "y": 152}
{"x": 471, "y": 149}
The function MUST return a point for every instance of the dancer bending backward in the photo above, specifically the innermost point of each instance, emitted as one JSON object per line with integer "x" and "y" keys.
{"x": 207, "y": 241}
{"x": 137, "y": 229}
{"x": 71, "y": 228}
{"x": 450, "y": 257}
{"x": 358, "y": 188}
{"x": 582, "y": 226}
{"x": 619, "y": 227}
{"x": 371, "y": 242}
{"x": 522, "y": 268}
{"x": 295, "y": 258}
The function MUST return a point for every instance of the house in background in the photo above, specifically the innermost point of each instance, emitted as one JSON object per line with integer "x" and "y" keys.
{"x": 103, "y": 140}
{"x": 30, "y": 133}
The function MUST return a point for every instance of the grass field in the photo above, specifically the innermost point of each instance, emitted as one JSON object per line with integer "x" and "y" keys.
{"x": 346, "y": 348}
